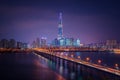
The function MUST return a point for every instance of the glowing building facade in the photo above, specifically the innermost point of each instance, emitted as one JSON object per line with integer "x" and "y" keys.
{"x": 60, "y": 27}
{"x": 62, "y": 41}
{"x": 43, "y": 42}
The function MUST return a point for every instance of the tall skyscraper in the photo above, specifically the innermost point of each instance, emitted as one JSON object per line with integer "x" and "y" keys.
{"x": 37, "y": 42}
{"x": 43, "y": 42}
{"x": 60, "y": 27}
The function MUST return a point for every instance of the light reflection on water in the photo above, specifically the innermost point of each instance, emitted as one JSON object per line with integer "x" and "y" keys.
{"x": 72, "y": 71}
{"x": 24, "y": 66}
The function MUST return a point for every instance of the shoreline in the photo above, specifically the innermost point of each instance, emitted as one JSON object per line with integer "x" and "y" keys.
{"x": 15, "y": 50}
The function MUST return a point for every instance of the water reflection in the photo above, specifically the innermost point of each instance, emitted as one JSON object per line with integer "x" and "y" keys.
{"x": 74, "y": 71}
{"x": 22, "y": 66}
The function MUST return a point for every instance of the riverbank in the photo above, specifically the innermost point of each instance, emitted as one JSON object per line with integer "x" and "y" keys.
{"x": 14, "y": 50}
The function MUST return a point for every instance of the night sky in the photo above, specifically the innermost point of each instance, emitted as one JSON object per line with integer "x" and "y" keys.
{"x": 89, "y": 20}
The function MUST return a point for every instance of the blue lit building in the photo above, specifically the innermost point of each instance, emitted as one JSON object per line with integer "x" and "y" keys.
{"x": 77, "y": 42}
{"x": 60, "y": 27}
{"x": 69, "y": 41}
{"x": 61, "y": 41}
{"x": 55, "y": 42}
{"x": 43, "y": 42}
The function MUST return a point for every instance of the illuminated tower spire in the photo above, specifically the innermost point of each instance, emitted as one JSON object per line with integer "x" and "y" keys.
{"x": 60, "y": 27}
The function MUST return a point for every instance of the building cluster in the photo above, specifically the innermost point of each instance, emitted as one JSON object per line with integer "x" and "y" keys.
{"x": 108, "y": 44}
{"x": 4, "y": 43}
{"x": 66, "y": 42}
{"x": 39, "y": 42}
{"x": 62, "y": 41}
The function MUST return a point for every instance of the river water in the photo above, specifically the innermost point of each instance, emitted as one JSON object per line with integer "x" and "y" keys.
{"x": 31, "y": 66}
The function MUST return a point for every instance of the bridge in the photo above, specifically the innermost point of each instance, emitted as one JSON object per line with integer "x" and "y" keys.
{"x": 77, "y": 60}
{"x": 65, "y": 49}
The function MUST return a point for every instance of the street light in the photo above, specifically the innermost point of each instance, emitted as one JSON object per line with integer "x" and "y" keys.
{"x": 61, "y": 53}
{"x": 78, "y": 57}
{"x": 87, "y": 59}
{"x": 99, "y": 61}
{"x": 116, "y": 66}
{"x": 66, "y": 54}
{"x": 72, "y": 56}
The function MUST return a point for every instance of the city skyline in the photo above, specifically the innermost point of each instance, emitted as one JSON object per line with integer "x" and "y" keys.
{"x": 89, "y": 21}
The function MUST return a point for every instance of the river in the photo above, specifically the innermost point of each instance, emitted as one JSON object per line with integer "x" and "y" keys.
{"x": 31, "y": 66}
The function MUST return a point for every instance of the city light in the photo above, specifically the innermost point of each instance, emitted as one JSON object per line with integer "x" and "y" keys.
{"x": 66, "y": 54}
{"x": 87, "y": 59}
{"x": 81, "y": 42}
{"x": 99, "y": 61}
{"x": 72, "y": 56}
{"x": 78, "y": 57}
{"x": 116, "y": 65}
